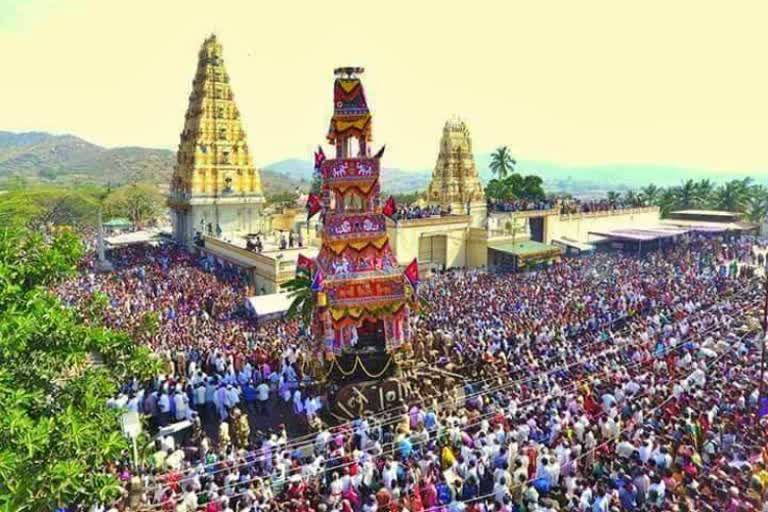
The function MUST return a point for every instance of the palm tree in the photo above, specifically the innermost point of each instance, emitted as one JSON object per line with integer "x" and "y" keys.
{"x": 705, "y": 190}
{"x": 303, "y": 302}
{"x": 651, "y": 193}
{"x": 613, "y": 196}
{"x": 757, "y": 205}
{"x": 630, "y": 197}
{"x": 687, "y": 195}
{"x": 733, "y": 195}
{"x": 667, "y": 201}
{"x": 502, "y": 162}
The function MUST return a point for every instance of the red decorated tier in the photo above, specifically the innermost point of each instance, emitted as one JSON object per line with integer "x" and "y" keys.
{"x": 363, "y": 295}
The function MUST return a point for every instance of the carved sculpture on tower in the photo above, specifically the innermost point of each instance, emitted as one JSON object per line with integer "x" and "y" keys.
{"x": 362, "y": 297}
{"x": 215, "y": 188}
{"x": 455, "y": 183}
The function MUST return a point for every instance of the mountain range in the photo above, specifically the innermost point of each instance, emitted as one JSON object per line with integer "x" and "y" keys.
{"x": 67, "y": 158}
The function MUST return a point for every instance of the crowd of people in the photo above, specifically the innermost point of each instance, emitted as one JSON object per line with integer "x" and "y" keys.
{"x": 603, "y": 383}
{"x": 418, "y": 212}
{"x": 522, "y": 205}
{"x": 571, "y": 206}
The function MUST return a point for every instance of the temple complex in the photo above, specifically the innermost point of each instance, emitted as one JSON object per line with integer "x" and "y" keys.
{"x": 456, "y": 185}
{"x": 216, "y": 190}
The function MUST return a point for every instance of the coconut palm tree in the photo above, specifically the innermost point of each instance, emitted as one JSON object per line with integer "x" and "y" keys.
{"x": 705, "y": 190}
{"x": 302, "y": 299}
{"x": 630, "y": 197}
{"x": 757, "y": 205}
{"x": 687, "y": 195}
{"x": 613, "y": 196}
{"x": 733, "y": 195}
{"x": 651, "y": 194}
{"x": 502, "y": 162}
{"x": 667, "y": 201}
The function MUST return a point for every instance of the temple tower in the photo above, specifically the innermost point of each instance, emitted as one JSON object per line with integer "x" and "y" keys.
{"x": 455, "y": 182}
{"x": 215, "y": 188}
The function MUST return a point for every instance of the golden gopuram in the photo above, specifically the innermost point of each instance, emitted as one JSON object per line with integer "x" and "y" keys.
{"x": 215, "y": 189}
{"x": 455, "y": 183}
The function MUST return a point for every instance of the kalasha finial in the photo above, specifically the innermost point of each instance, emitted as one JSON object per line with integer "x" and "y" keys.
{"x": 348, "y": 72}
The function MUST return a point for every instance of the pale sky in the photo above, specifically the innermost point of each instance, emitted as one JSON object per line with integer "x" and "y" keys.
{"x": 575, "y": 82}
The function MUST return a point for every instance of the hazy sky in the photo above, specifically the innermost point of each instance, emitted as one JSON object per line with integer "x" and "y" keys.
{"x": 576, "y": 82}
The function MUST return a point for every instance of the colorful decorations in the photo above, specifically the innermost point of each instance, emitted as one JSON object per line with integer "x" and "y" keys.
{"x": 304, "y": 264}
{"x": 319, "y": 158}
{"x": 389, "y": 207}
{"x": 412, "y": 273}
{"x": 353, "y": 226}
{"x": 314, "y": 205}
{"x": 364, "y": 294}
{"x": 351, "y": 117}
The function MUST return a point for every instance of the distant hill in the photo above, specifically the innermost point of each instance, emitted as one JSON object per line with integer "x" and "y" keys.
{"x": 66, "y": 158}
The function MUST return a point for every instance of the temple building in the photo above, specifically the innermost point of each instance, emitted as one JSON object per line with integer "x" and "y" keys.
{"x": 215, "y": 190}
{"x": 456, "y": 185}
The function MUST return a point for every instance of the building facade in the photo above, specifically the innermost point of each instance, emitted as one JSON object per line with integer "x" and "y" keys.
{"x": 215, "y": 188}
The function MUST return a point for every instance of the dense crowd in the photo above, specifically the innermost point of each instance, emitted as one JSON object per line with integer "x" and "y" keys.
{"x": 570, "y": 206}
{"x": 603, "y": 383}
{"x": 522, "y": 205}
{"x": 418, "y": 212}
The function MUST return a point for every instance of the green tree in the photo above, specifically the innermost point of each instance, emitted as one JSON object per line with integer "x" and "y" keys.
{"x": 142, "y": 203}
{"x": 502, "y": 162}
{"x": 56, "y": 433}
{"x": 651, "y": 194}
{"x": 613, "y": 196}
{"x": 302, "y": 299}
{"x": 757, "y": 205}
{"x": 515, "y": 186}
{"x": 705, "y": 189}
{"x": 732, "y": 196}
{"x": 667, "y": 201}
{"x": 39, "y": 206}
{"x": 687, "y": 196}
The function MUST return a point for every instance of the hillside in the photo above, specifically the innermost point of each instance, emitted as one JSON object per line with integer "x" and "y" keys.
{"x": 66, "y": 158}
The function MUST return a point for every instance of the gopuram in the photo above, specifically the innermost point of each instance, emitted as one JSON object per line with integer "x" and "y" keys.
{"x": 362, "y": 297}
{"x": 215, "y": 188}
{"x": 455, "y": 184}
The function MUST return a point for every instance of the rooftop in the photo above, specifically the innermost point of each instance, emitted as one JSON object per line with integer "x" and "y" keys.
{"x": 526, "y": 248}
{"x": 710, "y": 213}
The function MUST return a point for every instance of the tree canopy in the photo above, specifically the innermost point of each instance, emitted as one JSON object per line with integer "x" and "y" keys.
{"x": 57, "y": 436}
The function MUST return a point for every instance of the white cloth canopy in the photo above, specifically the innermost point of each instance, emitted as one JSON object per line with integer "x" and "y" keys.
{"x": 269, "y": 306}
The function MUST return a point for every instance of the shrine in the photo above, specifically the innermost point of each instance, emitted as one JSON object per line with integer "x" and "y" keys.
{"x": 362, "y": 296}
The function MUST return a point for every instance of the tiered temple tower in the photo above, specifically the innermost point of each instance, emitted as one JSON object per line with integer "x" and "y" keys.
{"x": 455, "y": 182}
{"x": 362, "y": 304}
{"x": 215, "y": 189}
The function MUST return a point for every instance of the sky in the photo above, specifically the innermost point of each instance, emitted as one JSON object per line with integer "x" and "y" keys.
{"x": 681, "y": 83}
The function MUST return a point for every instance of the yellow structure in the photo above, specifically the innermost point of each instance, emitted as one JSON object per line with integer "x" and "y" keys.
{"x": 455, "y": 183}
{"x": 215, "y": 188}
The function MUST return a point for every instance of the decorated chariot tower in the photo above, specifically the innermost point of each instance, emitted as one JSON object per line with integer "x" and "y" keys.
{"x": 362, "y": 310}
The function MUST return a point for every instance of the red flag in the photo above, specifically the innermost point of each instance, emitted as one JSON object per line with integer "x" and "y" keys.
{"x": 314, "y": 205}
{"x": 389, "y": 207}
{"x": 412, "y": 273}
{"x": 319, "y": 158}
{"x": 304, "y": 264}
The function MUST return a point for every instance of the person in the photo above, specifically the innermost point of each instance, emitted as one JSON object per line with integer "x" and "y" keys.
{"x": 262, "y": 397}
